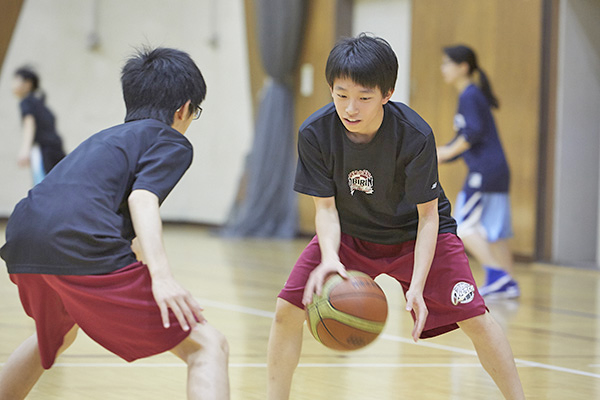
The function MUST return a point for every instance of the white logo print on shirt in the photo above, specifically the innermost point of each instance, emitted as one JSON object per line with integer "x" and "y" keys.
{"x": 459, "y": 122}
{"x": 360, "y": 180}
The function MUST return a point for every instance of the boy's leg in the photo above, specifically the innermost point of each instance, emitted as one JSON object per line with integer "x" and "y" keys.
{"x": 24, "y": 367}
{"x": 494, "y": 353}
{"x": 206, "y": 353}
{"x": 285, "y": 345}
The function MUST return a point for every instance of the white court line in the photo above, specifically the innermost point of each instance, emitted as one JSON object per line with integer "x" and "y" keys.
{"x": 264, "y": 365}
{"x": 521, "y": 363}
{"x": 383, "y": 365}
{"x": 234, "y": 307}
{"x": 267, "y": 314}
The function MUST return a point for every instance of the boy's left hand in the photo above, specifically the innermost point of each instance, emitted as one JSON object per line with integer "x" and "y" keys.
{"x": 415, "y": 302}
{"x": 169, "y": 294}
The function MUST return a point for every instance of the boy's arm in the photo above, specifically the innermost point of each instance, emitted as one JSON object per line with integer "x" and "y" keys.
{"x": 27, "y": 140}
{"x": 427, "y": 233}
{"x": 327, "y": 224}
{"x": 453, "y": 149}
{"x": 168, "y": 293}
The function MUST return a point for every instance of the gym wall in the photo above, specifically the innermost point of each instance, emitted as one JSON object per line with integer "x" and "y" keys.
{"x": 81, "y": 80}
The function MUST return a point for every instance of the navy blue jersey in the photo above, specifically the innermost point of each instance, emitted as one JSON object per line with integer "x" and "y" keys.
{"x": 77, "y": 221}
{"x": 45, "y": 130}
{"x": 488, "y": 169}
{"x": 376, "y": 185}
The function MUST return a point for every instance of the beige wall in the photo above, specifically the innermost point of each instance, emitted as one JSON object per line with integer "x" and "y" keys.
{"x": 391, "y": 20}
{"x": 83, "y": 86}
{"x": 507, "y": 38}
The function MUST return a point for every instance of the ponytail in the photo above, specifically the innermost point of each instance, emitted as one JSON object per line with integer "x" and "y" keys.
{"x": 460, "y": 54}
{"x": 486, "y": 88}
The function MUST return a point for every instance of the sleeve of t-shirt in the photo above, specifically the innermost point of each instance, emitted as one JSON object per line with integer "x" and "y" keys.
{"x": 27, "y": 107}
{"x": 312, "y": 175}
{"x": 471, "y": 121}
{"x": 422, "y": 174}
{"x": 161, "y": 167}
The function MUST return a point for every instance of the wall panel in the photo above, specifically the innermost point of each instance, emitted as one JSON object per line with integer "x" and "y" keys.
{"x": 507, "y": 38}
{"x": 326, "y": 21}
{"x": 83, "y": 87}
{"x": 9, "y": 14}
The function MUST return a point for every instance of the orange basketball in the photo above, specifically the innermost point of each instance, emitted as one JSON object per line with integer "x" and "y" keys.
{"x": 349, "y": 313}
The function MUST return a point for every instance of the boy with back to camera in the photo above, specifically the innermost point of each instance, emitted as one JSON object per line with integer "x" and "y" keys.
{"x": 370, "y": 165}
{"x": 68, "y": 243}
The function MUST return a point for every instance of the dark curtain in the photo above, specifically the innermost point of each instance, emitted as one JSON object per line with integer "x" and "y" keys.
{"x": 269, "y": 207}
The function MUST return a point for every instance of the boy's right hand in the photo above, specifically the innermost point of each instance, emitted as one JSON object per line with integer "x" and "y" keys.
{"x": 318, "y": 276}
{"x": 169, "y": 294}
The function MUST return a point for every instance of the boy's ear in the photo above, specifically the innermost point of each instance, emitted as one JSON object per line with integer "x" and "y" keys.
{"x": 387, "y": 96}
{"x": 183, "y": 112}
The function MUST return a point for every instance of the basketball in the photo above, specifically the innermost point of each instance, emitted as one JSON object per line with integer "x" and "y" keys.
{"x": 349, "y": 314}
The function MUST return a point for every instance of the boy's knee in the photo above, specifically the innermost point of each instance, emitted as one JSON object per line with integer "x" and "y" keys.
{"x": 288, "y": 314}
{"x": 478, "y": 324}
{"x": 209, "y": 338}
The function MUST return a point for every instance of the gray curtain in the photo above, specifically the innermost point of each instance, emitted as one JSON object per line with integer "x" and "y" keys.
{"x": 269, "y": 207}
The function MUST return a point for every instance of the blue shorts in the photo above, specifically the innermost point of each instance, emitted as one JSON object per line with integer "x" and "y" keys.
{"x": 36, "y": 162}
{"x": 485, "y": 213}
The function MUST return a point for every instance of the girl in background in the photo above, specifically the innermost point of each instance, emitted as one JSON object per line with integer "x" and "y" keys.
{"x": 482, "y": 208}
{"x": 41, "y": 148}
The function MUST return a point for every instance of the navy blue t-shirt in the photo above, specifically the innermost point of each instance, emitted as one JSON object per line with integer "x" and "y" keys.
{"x": 45, "y": 130}
{"x": 376, "y": 185}
{"x": 488, "y": 169}
{"x": 77, "y": 221}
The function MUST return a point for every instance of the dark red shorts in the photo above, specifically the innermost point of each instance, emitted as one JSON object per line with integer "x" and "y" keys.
{"x": 450, "y": 292}
{"x": 117, "y": 310}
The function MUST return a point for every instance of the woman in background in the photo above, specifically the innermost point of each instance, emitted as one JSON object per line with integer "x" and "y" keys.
{"x": 482, "y": 208}
{"x": 41, "y": 148}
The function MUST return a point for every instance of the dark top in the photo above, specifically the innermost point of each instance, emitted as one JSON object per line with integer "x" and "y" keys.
{"x": 77, "y": 221}
{"x": 376, "y": 185}
{"x": 488, "y": 169}
{"x": 45, "y": 130}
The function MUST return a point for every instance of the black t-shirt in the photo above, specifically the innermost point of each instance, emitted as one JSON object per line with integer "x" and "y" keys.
{"x": 77, "y": 221}
{"x": 376, "y": 185}
{"x": 45, "y": 130}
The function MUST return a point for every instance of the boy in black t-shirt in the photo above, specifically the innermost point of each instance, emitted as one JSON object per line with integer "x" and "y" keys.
{"x": 69, "y": 242}
{"x": 370, "y": 165}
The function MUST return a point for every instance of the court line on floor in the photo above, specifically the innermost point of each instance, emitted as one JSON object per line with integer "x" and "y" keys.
{"x": 394, "y": 338}
{"x": 301, "y": 365}
{"x": 267, "y": 314}
{"x": 264, "y": 365}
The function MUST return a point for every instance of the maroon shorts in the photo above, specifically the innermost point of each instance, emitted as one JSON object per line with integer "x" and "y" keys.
{"x": 450, "y": 292}
{"x": 117, "y": 310}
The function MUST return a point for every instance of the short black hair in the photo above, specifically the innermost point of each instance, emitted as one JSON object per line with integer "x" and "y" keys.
{"x": 27, "y": 73}
{"x": 156, "y": 82}
{"x": 367, "y": 60}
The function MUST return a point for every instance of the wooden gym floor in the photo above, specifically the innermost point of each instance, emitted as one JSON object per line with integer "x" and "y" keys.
{"x": 554, "y": 330}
